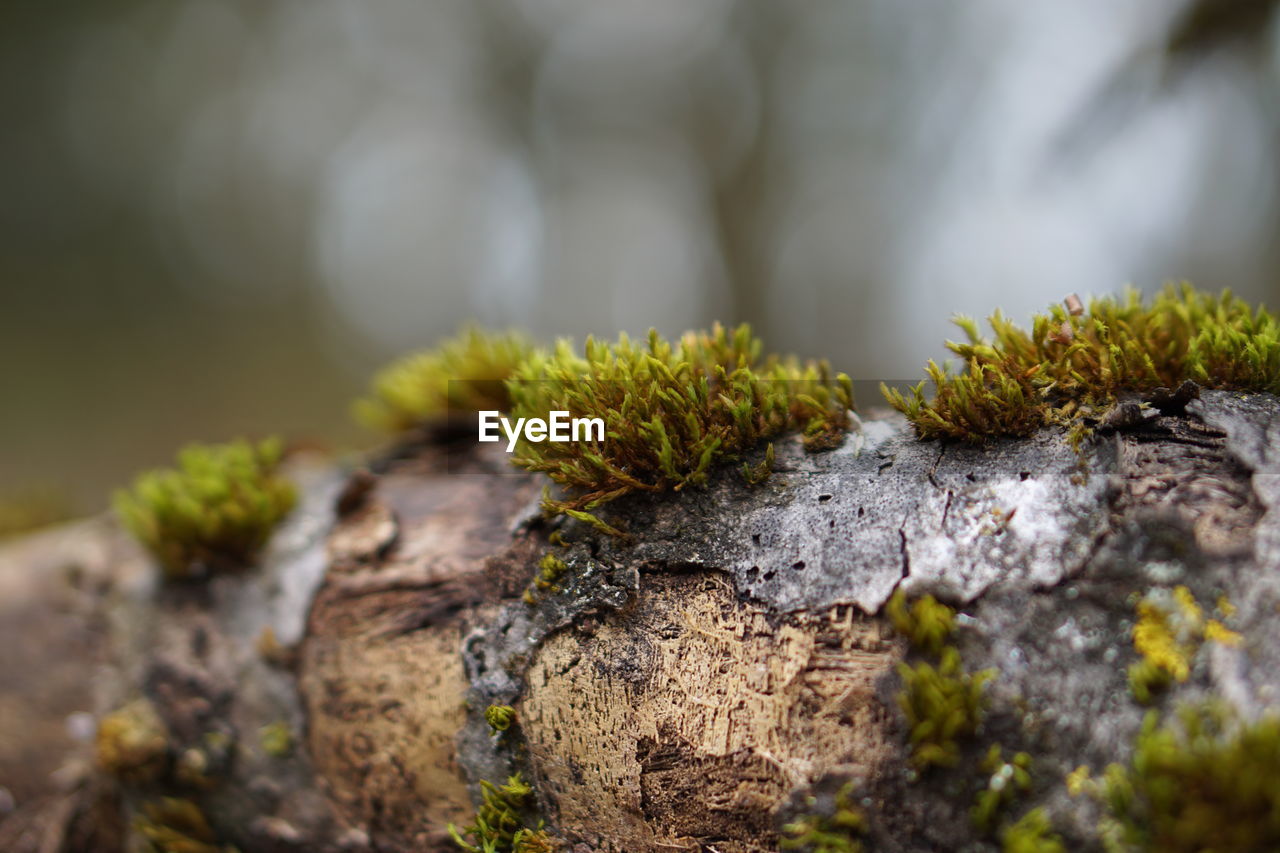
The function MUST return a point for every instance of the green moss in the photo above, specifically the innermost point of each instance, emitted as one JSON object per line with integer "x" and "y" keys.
{"x": 943, "y": 706}
{"x": 926, "y": 623}
{"x": 464, "y": 374}
{"x": 1032, "y": 834}
{"x": 1205, "y": 781}
{"x": 1072, "y": 366}
{"x": 499, "y": 717}
{"x": 838, "y": 833}
{"x": 1006, "y": 780}
{"x": 216, "y": 509}
{"x": 671, "y": 411}
{"x": 500, "y": 823}
{"x": 172, "y": 825}
{"x": 276, "y": 739}
{"x": 132, "y": 743}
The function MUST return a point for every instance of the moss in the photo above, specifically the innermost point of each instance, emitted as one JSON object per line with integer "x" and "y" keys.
{"x": 499, "y": 717}
{"x": 1204, "y": 781}
{"x": 761, "y": 471}
{"x": 925, "y": 623}
{"x": 943, "y": 706}
{"x": 500, "y": 822}
{"x": 132, "y": 743}
{"x": 172, "y": 825}
{"x": 462, "y": 375}
{"x": 838, "y": 833}
{"x": 1032, "y": 834}
{"x": 1006, "y": 779}
{"x": 671, "y": 411}
{"x": 1073, "y": 364}
{"x": 276, "y": 739}
{"x": 1167, "y": 634}
{"x": 216, "y": 509}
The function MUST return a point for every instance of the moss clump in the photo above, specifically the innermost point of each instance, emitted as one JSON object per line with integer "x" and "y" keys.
{"x": 462, "y": 375}
{"x": 925, "y": 623}
{"x": 499, "y": 826}
{"x": 671, "y": 411}
{"x": 1074, "y": 363}
{"x": 1206, "y": 781}
{"x": 216, "y": 509}
{"x": 1032, "y": 834}
{"x": 943, "y": 706}
{"x": 838, "y": 833}
{"x": 132, "y": 743}
{"x": 172, "y": 825}
{"x": 500, "y": 718}
{"x": 1168, "y": 632}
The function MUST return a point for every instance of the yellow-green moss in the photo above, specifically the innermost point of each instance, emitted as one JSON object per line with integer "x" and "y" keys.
{"x": 462, "y": 375}
{"x": 500, "y": 823}
{"x": 499, "y": 717}
{"x": 216, "y": 509}
{"x": 1168, "y": 632}
{"x": 132, "y": 743}
{"x": 838, "y": 833}
{"x": 276, "y": 739}
{"x": 1074, "y": 363}
{"x": 671, "y": 411}
{"x": 943, "y": 706}
{"x": 1005, "y": 781}
{"x": 1032, "y": 834}
{"x": 1205, "y": 781}
{"x": 926, "y": 623}
{"x": 172, "y": 825}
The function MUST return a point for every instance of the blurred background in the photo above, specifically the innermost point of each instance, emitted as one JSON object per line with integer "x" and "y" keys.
{"x": 218, "y": 217}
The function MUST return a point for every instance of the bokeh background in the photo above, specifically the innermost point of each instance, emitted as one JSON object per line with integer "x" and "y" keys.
{"x": 218, "y": 217}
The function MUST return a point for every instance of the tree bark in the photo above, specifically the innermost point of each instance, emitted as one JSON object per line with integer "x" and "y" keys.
{"x": 692, "y": 687}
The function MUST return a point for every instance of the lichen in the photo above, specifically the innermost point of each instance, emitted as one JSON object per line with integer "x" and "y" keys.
{"x": 1204, "y": 781}
{"x": 276, "y": 739}
{"x": 462, "y": 375}
{"x": 1032, "y": 833}
{"x": 671, "y": 411}
{"x": 215, "y": 510}
{"x": 1073, "y": 364}
{"x": 132, "y": 743}
{"x": 838, "y": 833}
{"x": 500, "y": 822}
{"x": 1167, "y": 634}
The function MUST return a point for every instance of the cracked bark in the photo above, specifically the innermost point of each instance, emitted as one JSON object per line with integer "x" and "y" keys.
{"x": 686, "y": 691}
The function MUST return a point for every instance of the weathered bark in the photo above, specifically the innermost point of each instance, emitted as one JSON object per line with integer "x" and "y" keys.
{"x": 684, "y": 690}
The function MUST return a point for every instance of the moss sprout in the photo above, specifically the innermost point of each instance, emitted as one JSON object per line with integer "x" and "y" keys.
{"x": 1204, "y": 781}
{"x": 500, "y": 718}
{"x": 464, "y": 374}
{"x": 838, "y": 833}
{"x": 1168, "y": 632}
{"x": 1073, "y": 364}
{"x": 499, "y": 826}
{"x": 1005, "y": 781}
{"x": 132, "y": 742}
{"x": 276, "y": 739}
{"x": 925, "y": 623}
{"x": 216, "y": 509}
{"x": 671, "y": 411}
{"x": 943, "y": 706}
{"x": 172, "y": 825}
{"x": 1031, "y": 834}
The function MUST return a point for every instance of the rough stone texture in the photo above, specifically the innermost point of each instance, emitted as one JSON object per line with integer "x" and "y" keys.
{"x": 691, "y": 689}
